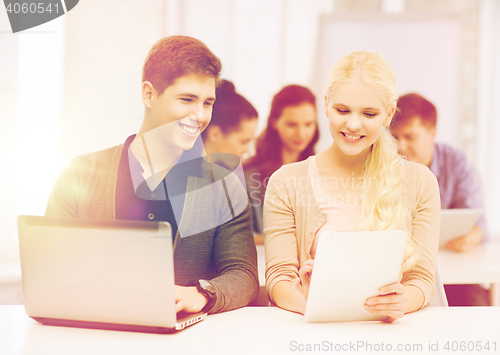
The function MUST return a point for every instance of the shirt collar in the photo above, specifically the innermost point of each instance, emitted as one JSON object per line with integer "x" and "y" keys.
{"x": 190, "y": 163}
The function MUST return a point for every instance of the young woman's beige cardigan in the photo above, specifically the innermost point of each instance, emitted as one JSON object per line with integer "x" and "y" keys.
{"x": 292, "y": 218}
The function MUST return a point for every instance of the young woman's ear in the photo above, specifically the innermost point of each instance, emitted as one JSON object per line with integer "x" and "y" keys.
{"x": 389, "y": 118}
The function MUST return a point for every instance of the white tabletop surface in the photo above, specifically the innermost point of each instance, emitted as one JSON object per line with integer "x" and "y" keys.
{"x": 480, "y": 265}
{"x": 262, "y": 330}
{"x": 10, "y": 272}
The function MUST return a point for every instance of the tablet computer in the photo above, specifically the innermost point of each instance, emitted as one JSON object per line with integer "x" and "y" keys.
{"x": 457, "y": 222}
{"x": 350, "y": 267}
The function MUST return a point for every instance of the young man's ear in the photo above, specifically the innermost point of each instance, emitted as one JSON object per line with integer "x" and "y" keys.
{"x": 148, "y": 92}
{"x": 433, "y": 131}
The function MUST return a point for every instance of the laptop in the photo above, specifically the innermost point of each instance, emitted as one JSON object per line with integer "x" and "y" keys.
{"x": 350, "y": 267}
{"x": 457, "y": 222}
{"x": 103, "y": 274}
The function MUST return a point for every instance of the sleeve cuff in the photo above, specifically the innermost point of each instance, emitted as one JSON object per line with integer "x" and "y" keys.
{"x": 421, "y": 286}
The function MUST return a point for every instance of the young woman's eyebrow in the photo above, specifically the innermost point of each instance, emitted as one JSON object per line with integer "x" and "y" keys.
{"x": 339, "y": 105}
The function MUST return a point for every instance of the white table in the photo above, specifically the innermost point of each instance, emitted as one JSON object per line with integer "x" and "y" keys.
{"x": 260, "y": 330}
{"x": 11, "y": 291}
{"x": 481, "y": 265}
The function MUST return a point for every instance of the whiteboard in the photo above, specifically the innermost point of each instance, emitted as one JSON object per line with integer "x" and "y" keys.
{"x": 424, "y": 51}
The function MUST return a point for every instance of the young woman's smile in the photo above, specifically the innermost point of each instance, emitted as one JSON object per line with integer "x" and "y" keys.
{"x": 352, "y": 138}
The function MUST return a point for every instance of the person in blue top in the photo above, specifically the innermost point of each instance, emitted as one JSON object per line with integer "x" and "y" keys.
{"x": 414, "y": 126}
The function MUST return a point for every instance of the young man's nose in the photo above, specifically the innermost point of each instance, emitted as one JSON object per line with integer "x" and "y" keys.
{"x": 199, "y": 116}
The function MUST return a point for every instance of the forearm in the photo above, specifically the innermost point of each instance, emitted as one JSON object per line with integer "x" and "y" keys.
{"x": 415, "y": 299}
{"x": 285, "y": 296}
{"x": 419, "y": 280}
{"x": 234, "y": 289}
{"x": 476, "y": 235}
{"x": 235, "y": 256}
{"x": 468, "y": 241}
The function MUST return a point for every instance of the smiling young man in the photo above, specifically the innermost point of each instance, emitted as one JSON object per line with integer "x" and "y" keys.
{"x": 414, "y": 126}
{"x": 160, "y": 174}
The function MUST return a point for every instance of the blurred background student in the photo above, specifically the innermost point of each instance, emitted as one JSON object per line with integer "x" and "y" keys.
{"x": 414, "y": 126}
{"x": 290, "y": 136}
{"x": 232, "y": 128}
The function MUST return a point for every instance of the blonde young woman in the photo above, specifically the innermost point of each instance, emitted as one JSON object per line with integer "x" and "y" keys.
{"x": 358, "y": 183}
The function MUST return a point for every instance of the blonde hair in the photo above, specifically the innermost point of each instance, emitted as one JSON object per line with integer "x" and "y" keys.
{"x": 384, "y": 206}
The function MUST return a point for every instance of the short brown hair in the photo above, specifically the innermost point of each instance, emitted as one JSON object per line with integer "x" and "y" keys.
{"x": 412, "y": 105}
{"x": 176, "y": 56}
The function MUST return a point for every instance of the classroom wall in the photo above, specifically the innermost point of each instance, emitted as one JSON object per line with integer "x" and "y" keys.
{"x": 9, "y": 46}
{"x": 105, "y": 46}
{"x": 263, "y": 44}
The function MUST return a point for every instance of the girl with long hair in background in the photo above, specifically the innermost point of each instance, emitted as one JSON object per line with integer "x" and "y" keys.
{"x": 290, "y": 136}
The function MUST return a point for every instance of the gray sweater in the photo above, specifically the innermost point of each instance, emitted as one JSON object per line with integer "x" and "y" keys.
{"x": 217, "y": 242}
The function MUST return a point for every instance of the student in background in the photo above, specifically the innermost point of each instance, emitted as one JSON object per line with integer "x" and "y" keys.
{"x": 414, "y": 126}
{"x": 233, "y": 125}
{"x": 290, "y": 136}
{"x": 159, "y": 174}
{"x": 317, "y": 194}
